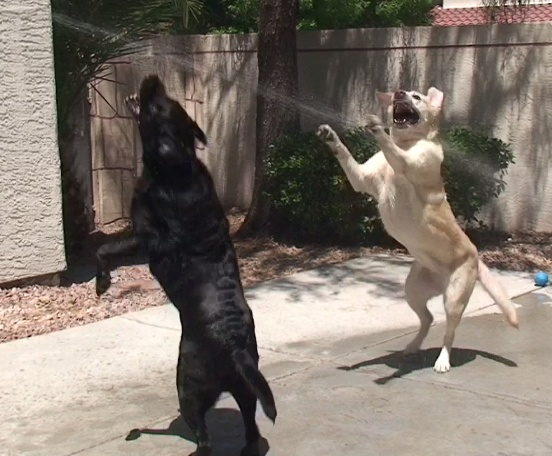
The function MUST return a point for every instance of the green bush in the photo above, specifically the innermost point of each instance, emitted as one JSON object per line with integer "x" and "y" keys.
{"x": 474, "y": 169}
{"x": 314, "y": 202}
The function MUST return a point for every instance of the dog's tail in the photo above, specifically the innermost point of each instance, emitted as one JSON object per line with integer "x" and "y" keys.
{"x": 498, "y": 293}
{"x": 250, "y": 372}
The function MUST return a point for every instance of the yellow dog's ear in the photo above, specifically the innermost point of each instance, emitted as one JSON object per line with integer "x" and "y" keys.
{"x": 435, "y": 97}
{"x": 384, "y": 98}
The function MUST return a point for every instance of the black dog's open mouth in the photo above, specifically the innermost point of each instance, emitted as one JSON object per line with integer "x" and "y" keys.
{"x": 133, "y": 105}
{"x": 404, "y": 114}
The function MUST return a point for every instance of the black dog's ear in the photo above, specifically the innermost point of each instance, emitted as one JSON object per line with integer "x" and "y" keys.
{"x": 198, "y": 133}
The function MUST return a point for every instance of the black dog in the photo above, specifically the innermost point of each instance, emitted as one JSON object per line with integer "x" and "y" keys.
{"x": 179, "y": 220}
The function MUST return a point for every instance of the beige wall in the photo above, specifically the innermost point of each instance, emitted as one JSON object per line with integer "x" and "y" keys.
{"x": 115, "y": 139}
{"x": 497, "y": 75}
{"x": 31, "y": 232}
{"x": 200, "y": 73}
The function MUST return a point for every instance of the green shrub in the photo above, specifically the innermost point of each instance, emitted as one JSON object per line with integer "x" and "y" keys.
{"x": 473, "y": 170}
{"x": 314, "y": 202}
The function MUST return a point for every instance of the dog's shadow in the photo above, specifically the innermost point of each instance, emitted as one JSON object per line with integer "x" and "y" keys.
{"x": 425, "y": 359}
{"x": 225, "y": 427}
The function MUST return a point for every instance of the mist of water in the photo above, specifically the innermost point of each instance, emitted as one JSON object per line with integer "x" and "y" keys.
{"x": 308, "y": 108}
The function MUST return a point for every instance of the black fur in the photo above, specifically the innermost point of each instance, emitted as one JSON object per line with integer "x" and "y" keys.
{"x": 123, "y": 247}
{"x": 178, "y": 218}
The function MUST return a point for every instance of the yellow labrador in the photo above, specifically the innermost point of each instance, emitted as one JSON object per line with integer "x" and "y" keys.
{"x": 405, "y": 178}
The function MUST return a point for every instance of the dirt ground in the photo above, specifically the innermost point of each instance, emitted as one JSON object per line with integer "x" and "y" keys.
{"x": 38, "y": 309}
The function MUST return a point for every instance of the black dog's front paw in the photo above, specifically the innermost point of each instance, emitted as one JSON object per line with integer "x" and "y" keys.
{"x": 103, "y": 282}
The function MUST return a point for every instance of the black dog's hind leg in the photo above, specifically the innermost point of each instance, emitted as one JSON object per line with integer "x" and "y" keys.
{"x": 247, "y": 402}
{"x": 194, "y": 401}
{"x": 196, "y": 423}
{"x": 116, "y": 248}
{"x": 193, "y": 413}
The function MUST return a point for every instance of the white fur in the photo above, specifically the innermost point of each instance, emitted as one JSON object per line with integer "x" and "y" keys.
{"x": 405, "y": 178}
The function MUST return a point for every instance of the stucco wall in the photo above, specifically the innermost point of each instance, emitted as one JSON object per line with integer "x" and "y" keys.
{"x": 499, "y": 76}
{"x": 31, "y": 232}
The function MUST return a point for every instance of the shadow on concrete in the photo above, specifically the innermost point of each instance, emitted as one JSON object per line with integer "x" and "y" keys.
{"x": 338, "y": 277}
{"x": 425, "y": 359}
{"x": 225, "y": 428}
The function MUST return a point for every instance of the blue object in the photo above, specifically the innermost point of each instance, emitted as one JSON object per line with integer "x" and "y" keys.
{"x": 541, "y": 279}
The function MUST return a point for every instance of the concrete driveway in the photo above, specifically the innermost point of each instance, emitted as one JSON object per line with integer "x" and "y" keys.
{"x": 330, "y": 344}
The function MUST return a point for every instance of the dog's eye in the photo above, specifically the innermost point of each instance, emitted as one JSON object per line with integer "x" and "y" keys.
{"x": 416, "y": 97}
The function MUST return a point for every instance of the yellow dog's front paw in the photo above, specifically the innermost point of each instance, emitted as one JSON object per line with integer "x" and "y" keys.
{"x": 374, "y": 124}
{"x": 329, "y": 136}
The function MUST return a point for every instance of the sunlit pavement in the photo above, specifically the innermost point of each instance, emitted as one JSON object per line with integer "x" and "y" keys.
{"x": 330, "y": 344}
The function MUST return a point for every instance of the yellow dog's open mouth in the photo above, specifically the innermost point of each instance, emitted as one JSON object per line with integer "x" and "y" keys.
{"x": 404, "y": 114}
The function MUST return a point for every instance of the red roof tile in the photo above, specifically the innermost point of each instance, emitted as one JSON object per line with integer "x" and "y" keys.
{"x": 479, "y": 16}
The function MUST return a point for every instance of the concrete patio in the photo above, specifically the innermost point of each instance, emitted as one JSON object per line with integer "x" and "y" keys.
{"x": 330, "y": 342}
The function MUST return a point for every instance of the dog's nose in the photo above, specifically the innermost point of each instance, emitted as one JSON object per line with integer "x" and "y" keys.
{"x": 399, "y": 94}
